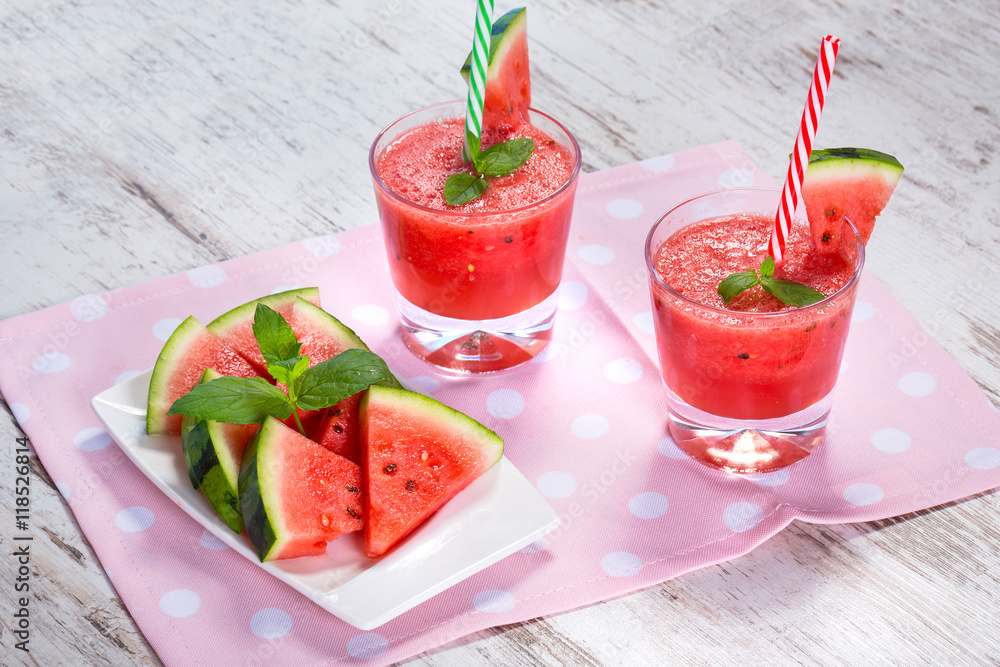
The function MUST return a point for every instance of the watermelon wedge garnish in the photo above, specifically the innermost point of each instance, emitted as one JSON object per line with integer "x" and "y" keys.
{"x": 190, "y": 349}
{"x": 851, "y": 183}
{"x": 418, "y": 453}
{"x": 236, "y": 326}
{"x": 295, "y": 495}
{"x": 508, "y": 82}
{"x": 212, "y": 453}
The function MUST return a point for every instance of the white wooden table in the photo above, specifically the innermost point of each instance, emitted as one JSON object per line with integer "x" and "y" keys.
{"x": 145, "y": 138}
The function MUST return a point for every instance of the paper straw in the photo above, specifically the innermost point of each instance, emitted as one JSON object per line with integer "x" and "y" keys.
{"x": 803, "y": 147}
{"x": 477, "y": 73}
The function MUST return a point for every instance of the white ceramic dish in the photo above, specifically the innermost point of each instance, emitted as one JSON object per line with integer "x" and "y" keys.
{"x": 496, "y": 515}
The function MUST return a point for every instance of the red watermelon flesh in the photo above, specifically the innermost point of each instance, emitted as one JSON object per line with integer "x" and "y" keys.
{"x": 295, "y": 495}
{"x": 339, "y": 431}
{"x": 508, "y": 79}
{"x": 236, "y": 326}
{"x": 190, "y": 349}
{"x": 418, "y": 453}
{"x": 846, "y": 183}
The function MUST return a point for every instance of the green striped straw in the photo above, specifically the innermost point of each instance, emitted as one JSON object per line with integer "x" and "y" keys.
{"x": 477, "y": 74}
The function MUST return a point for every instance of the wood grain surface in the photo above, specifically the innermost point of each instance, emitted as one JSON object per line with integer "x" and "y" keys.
{"x": 145, "y": 138}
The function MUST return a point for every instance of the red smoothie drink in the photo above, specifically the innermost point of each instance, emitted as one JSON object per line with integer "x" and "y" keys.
{"x": 476, "y": 282}
{"x": 754, "y": 365}
{"x": 495, "y": 256}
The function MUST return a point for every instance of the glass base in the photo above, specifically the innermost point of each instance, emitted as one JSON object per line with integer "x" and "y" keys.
{"x": 747, "y": 446}
{"x": 477, "y": 346}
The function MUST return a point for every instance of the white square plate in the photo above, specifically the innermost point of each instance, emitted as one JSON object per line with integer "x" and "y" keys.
{"x": 496, "y": 515}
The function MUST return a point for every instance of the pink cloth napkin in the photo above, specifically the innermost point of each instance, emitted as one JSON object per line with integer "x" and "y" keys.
{"x": 585, "y": 423}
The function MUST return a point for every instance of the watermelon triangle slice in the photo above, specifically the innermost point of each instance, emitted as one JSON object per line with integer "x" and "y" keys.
{"x": 508, "y": 80}
{"x": 418, "y": 453}
{"x": 295, "y": 495}
{"x": 190, "y": 349}
{"x": 846, "y": 183}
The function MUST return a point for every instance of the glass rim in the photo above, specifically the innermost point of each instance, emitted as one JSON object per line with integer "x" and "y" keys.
{"x": 473, "y": 214}
{"x": 855, "y": 274}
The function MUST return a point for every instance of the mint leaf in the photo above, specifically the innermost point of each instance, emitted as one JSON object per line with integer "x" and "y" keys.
{"x": 737, "y": 283}
{"x": 331, "y": 381}
{"x": 233, "y": 400}
{"x": 275, "y": 338}
{"x": 287, "y": 370}
{"x": 793, "y": 294}
{"x": 767, "y": 267}
{"x": 462, "y": 188}
{"x": 504, "y": 158}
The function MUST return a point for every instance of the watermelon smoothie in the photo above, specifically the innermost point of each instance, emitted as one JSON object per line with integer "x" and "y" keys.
{"x": 749, "y": 384}
{"x": 476, "y": 283}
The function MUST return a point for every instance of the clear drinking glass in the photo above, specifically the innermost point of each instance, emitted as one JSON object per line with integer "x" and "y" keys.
{"x": 476, "y": 291}
{"x": 747, "y": 392}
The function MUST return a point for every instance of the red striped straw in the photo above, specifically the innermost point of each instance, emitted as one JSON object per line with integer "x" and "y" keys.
{"x": 803, "y": 147}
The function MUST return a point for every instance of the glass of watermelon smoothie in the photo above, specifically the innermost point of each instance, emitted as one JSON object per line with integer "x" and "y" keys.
{"x": 477, "y": 283}
{"x": 749, "y": 385}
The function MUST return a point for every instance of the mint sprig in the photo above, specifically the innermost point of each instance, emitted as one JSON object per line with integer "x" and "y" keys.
{"x": 236, "y": 400}
{"x": 498, "y": 160}
{"x": 462, "y": 188}
{"x": 786, "y": 291}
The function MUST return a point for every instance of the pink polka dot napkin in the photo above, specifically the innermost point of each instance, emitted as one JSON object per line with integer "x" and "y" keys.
{"x": 584, "y": 423}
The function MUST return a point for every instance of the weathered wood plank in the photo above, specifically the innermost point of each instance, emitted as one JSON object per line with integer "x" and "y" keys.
{"x": 142, "y": 139}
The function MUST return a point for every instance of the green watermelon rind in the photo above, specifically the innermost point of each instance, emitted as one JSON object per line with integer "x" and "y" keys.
{"x": 226, "y": 322}
{"x": 211, "y": 466}
{"x": 171, "y": 356}
{"x": 504, "y": 33}
{"x": 835, "y": 159}
{"x": 263, "y": 523}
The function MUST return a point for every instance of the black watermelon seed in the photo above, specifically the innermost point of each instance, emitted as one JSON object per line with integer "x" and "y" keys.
{"x": 337, "y": 428}
{"x": 389, "y": 469}
{"x": 825, "y": 238}
{"x": 351, "y": 512}
{"x": 411, "y": 485}
{"x": 744, "y": 355}
{"x": 508, "y": 239}
{"x": 352, "y": 489}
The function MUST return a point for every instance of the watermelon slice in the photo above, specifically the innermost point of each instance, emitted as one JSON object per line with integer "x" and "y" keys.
{"x": 295, "y": 495}
{"x": 508, "y": 81}
{"x": 212, "y": 452}
{"x": 418, "y": 454}
{"x": 236, "y": 326}
{"x": 190, "y": 349}
{"x": 852, "y": 183}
